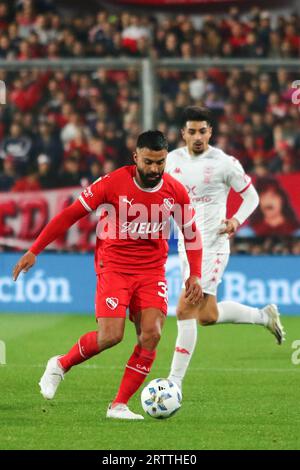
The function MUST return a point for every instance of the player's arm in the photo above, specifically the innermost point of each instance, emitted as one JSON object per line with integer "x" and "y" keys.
{"x": 88, "y": 201}
{"x": 249, "y": 204}
{"x": 237, "y": 179}
{"x": 193, "y": 249}
{"x": 54, "y": 229}
{"x": 185, "y": 220}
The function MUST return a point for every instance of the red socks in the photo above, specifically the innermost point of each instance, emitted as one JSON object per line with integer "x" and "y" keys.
{"x": 137, "y": 369}
{"x": 85, "y": 348}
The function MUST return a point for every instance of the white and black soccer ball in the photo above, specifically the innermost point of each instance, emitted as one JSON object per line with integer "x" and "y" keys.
{"x": 161, "y": 398}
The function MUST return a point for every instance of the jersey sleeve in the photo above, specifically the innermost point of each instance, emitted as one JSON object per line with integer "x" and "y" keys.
{"x": 236, "y": 176}
{"x": 183, "y": 211}
{"x": 95, "y": 194}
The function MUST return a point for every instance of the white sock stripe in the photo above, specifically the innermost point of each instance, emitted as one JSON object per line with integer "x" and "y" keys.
{"x": 136, "y": 370}
{"x": 80, "y": 351}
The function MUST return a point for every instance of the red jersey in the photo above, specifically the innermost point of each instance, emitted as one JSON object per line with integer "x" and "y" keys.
{"x": 134, "y": 222}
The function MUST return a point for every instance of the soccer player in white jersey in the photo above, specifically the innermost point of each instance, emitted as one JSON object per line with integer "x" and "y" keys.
{"x": 208, "y": 174}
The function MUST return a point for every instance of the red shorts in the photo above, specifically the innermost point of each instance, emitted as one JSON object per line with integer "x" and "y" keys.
{"x": 116, "y": 292}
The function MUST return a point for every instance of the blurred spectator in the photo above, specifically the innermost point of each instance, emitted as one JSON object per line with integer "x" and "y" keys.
{"x": 284, "y": 161}
{"x": 8, "y": 174}
{"x": 71, "y": 175}
{"x": 72, "y": 128}
{"x": 18, "y": 145}
{"x": 96, "y": 170}
{"x": 46, "y": 177}
{"x": 198, "y": 86}
{"x": 134, "y": 32}
{"x": 31, "y": 30}
{"x": 27, "y": 183}
{"x": 48, "y": 142}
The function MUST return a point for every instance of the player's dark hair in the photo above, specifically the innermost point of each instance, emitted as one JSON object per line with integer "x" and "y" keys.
{"x": 196, "y": 113}
{"x": 152, "y": 140}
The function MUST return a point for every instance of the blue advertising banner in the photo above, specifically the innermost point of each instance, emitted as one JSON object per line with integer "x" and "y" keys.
{"x": 66, "y": 283}
{"x": 57, "y": 283}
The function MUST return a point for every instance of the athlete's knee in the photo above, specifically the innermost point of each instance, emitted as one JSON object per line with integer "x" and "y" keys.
{"x": 207, "y": 318}
{"x": 180, "y": 314}
{"x": 184, "y": 312}
{"x": 150, "y": 337}
{"x": 110, "y": 337}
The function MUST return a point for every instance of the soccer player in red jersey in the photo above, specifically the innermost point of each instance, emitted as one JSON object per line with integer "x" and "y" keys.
{"x": 136, "y": 204}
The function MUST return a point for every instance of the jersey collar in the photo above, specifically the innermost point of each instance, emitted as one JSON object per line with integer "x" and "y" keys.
{"x": 149, "y": 190}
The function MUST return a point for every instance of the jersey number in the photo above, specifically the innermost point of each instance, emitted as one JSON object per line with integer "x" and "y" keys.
{"x": 163, "y": 292}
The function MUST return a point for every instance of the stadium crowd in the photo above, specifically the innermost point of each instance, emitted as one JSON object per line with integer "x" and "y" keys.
{"x": 63, "y": 129}
{"x": 36, "y": 28}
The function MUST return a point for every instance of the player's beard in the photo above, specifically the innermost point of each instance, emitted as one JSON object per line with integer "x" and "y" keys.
{"x": 147, "y": 180}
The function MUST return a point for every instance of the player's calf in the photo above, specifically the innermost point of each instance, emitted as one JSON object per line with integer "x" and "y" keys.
{"x": 208, "y": 313}
{"x": 207, "y": 318}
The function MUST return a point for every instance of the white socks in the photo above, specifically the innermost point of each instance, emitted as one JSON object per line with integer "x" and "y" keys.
{"x": 229, "y": 312}
{"x": 233, "y": 312}
{"x": 185, "y": 345}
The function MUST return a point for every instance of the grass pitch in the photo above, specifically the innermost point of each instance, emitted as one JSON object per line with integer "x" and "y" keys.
{"x": 241, "y": 390}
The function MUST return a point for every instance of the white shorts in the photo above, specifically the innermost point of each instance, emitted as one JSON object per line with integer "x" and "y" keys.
{"x": 213, "y": 266}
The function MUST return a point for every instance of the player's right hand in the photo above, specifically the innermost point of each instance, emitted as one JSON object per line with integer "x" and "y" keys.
{"x": 229, "y": 226}
{"x": 24, "y": 264}
{"x": 193, "y": 290}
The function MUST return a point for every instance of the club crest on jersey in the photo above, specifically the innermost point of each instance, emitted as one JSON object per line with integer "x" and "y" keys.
{"x": 112, "y": 302}
{"x": 168, "y": 203}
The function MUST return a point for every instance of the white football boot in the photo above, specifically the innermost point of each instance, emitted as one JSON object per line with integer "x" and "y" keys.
{"x": 274, "y": 324}
{"x": 121, "y": 411}
{"x": 51, "y": 378}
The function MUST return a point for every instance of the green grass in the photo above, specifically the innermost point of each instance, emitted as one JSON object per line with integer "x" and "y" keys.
{"x": 241, "y": 391}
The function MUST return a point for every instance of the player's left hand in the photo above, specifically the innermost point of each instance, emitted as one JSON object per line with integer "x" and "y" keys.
{"x": 230, "y": 227}
{"x": 193, "y": 290}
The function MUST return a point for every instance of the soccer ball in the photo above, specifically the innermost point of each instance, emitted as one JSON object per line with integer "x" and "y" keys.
{"x": 161, "y": 398}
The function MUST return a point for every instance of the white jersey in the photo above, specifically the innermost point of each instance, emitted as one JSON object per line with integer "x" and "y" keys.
{"x": 208, "y": 178}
